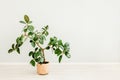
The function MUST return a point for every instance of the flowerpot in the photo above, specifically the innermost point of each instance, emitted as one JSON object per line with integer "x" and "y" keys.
{"x": 42, "y": 68}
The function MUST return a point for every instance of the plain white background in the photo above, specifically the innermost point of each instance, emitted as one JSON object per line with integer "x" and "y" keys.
{"x": 92, "y": 27}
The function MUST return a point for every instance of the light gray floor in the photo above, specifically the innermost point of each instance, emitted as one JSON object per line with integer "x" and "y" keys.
{"x": 61, "y": 72}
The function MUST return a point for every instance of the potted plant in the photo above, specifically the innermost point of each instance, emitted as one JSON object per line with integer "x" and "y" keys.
{"x": 37, "y": 39}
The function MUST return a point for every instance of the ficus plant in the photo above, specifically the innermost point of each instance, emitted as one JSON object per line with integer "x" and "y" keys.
{"x": 37, "y": 39}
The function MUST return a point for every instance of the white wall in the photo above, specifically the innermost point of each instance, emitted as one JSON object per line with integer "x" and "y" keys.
{"x": 92, "y": 27}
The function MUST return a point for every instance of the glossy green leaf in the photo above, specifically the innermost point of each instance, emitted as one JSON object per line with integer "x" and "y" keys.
{"x": 46, "y": 33}
{"x": 30, "y": 28}
{"x": 39, "y": 50}
{"x": 32, "y": 62}
{"x": 53, "y": 41}
{"x": 35, "y": 38}
{"x": 33, "y": 44}
{"x": 26, "y": 18}
{"x": 66, "y": 44}
{"x": 19, "y": 41}
{"x": 42, "y": 37}
{"x": 37, "y": 60}
{"x": 36, "y": 55}
{"x": 10, "y": 50}
{"x": 46, "y": 27}
{"x": 20, "y": 44}
{"x": 66, "y": 47}
{"x": 60, "y": 42}
{"x": 68, "y": 55}
{"x": 13, "y": 46}
{"x": 36, "y": 48}
{"x": 29, "y": 22}
{"x": 41, "y": 60}
{"x": 22, "y": 22}
{"x": 58, "y": 51}
{"x": 41, "y": 41}
{"x": 61, "y": 47}
{"x": 16, "y": 46}
{"x": 21, "y": 38}
{"x": 18, "y": 50}
{"x": 48, "y": 47}
{"x": 30, "y": 33}
{"x": 25, "y": 30}
{"x": 60, "y": 58}
{"x": 31, "y": 53}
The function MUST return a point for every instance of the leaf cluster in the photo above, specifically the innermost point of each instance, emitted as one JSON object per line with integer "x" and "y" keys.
{"x": 37, "y": 56}
{"x": 37, "y": 39}
{"x": 59, "y": 48}
{"x": 16, "y": 46}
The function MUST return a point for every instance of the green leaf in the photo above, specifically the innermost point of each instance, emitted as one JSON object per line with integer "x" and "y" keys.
{"x": 42, "y": 37}
{"x": 37, "y": 60}
{"x": 22, "y": 22}
{"x": 68, "y": 55}
{"x": 32, "y": 62}
{"x": 53, "y": 41}
{"x": 36, "y": 54}
{"x": 46, "y": 33}
{"x": 40, "y": 50}
{"x": 48, "y": 47}
{"x": 60, "y": 58}
{"x": 30, "y": 33}
{"x": 41, "y": 60}
{"x": 31, "y": 53}
{"x": 35, "y": 38}
{"x": 41, "y": 41}
{"x": 18, "y": 50}
{"x": 26, "y": 18}
{"x": 33, "y": 44}
{"x": 13, "y": 46}
{"x": 46, "y": 27}
{"x": 29, "y": 22}
{"x": 20, "y": 44}
{"x": 60, "y": 42}
{"x": 61, "y": 47}
{"x": 66, "y": 44}
{"x": 36, "y": 48}
{"x": 10, "y": 50}
{"x": 58, "y": 51}
{"x": 66, "y": 47}
{"x": 30, "y": 28}
{"x": 16, "y": 46}
{"x": 25, "y": 30}
{"x": 19, "y": 40}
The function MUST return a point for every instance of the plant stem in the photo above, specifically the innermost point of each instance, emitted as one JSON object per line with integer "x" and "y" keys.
{"x": 43, "y": 54}
{"x": 42, "y": 50}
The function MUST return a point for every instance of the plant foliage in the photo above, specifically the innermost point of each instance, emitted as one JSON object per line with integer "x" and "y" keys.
{"x": 37, "y": 39}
